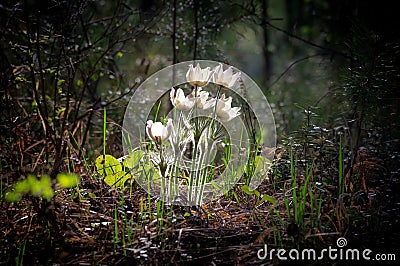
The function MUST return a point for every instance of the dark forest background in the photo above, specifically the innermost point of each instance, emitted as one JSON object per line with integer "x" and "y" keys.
{"x": 329, "y": 69}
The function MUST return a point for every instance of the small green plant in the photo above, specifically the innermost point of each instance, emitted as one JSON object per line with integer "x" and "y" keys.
{"x": 116, "y": 173}
{"x": 41, "y": 187}
{"x": 304, "y": 202}
{"x": 260, "y": 197}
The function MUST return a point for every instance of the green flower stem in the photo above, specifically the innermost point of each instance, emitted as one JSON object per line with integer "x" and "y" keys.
{"x": 204, "y": 174}
{"x": 162, "y": 170}
{"x": 162, "y": 166}
{"x": 192, "y": 172}
{"x": 198, "y": 176}
{"x": 200, "y": 179}
{"x": 174, "y": 186}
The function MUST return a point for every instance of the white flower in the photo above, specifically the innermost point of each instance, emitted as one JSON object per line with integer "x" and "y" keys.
{"x": 225, "y": 111}
{"x": 224, "y": 78}
{"x": 202, "y": 100}
{"x": 197, "y": 76}
{"x": 157, "y": 131}
{"x": 180, "y": 101}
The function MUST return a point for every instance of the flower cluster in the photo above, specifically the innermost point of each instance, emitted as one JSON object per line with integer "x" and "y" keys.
{"x": 225, "y": 78}
{"x": 198, "y": 78}
{"x": 199, "y": 98}
{"x": 195, "y": 140}
{"x": 185, "y": 103}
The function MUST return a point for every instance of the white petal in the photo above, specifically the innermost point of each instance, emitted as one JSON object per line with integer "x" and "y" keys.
{"x": 190, "y": 73}
{"x": 233, "y": 80}
{"x": 197, "y": 73}
{"x": 157, "y": 129}
{"x": 208, "y": 104}
{"x": 224, "y": 78}
{"x": 149, "y": 125}
{"x": 181, "y": 102}
{"x": 224, "y": 110}
{"x": 172, "y": 96}
{"x": 180, "y": 96}
{"x": 206, "y": 74}
{"x": 227, "y": 76}
{"x": 203, "y": 102}
{"x": 218, "y": 72}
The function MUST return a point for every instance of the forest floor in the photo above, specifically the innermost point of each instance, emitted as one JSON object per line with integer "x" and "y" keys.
{"x": 99, "y": 225}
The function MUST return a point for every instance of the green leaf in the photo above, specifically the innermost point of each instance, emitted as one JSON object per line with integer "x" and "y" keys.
{"x": 120, "y": 54}
{"x": 268, "y": 198}
{"x": 68, "y": 180}
{"x": 13, "y": 196}
{"x": 22, "y": 186}
{"x": 41, "y": 187}
{"x": 34, "y": 185}
{"x": 60, "y": 82}
{"x": 111, "y": 169}
{"x": 249, "y": 191}
{"x": 37, "y": 187}
{"x": 47, "y": 193}
{"x": 108, "y": 165}
{"x": 117, "y": 180}
{"x": 45, "y": 181}
{"x": 133, "y": 159}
